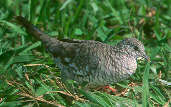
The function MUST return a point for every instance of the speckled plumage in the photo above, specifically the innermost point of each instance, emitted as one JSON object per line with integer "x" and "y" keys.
{"x": 90, "y": 61}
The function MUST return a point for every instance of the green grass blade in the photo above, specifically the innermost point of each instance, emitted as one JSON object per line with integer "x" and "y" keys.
{"x": 145, "y": 93}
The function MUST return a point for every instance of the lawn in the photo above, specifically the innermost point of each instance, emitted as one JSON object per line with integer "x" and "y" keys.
{"x": 29, "y": 77}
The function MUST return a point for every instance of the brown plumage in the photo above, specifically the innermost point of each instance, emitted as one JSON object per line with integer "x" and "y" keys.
{"x": 90, "y": 61}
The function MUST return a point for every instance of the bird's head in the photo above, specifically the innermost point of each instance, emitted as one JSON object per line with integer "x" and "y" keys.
{"x": 133, "y": 47}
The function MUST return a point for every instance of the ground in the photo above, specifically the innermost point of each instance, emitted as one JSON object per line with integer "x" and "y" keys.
{"x": 30, "y": 78}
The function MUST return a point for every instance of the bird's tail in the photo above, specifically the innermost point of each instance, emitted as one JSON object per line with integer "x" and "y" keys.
{"x": 53, "y": 45}
{"x": 30, "y": 28}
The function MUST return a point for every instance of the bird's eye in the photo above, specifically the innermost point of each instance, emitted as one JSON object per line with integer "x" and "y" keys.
{"x": 136, "y": 48}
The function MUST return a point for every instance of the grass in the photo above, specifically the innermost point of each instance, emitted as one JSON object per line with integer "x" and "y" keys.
{"x": 28, "y": 76}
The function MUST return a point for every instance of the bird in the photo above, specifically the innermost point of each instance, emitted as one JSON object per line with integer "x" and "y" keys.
{"x": 89, "y": 61}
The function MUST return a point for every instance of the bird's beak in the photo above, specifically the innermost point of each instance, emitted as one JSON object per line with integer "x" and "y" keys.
{"x": 146, "y": 58}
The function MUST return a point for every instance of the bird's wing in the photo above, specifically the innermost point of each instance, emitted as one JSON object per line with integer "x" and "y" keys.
{"x": 80, "y": 58}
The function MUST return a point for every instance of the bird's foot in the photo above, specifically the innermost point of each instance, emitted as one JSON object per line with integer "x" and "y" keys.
{"x": 113, "y": 90}
{"x": 107, "y": 89}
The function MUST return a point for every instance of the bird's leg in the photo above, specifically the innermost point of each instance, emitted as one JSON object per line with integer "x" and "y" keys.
{"x": 110, "y": 88}
{"x": 107, "y": 88}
